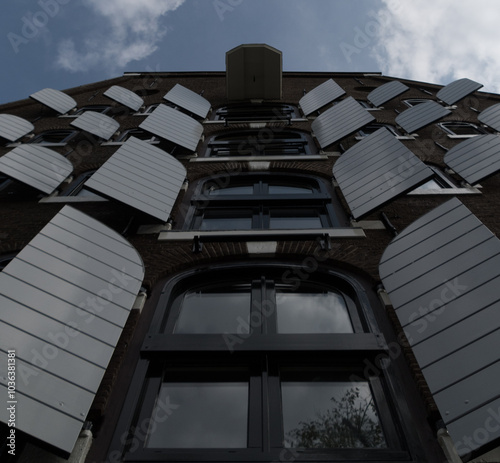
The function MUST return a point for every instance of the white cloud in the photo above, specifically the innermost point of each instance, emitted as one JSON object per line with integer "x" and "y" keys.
{"x": 440, "y": 41}
{"x": 133, "y": 33}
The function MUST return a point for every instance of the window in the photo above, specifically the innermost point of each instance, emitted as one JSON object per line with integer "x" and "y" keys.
{"x": 77, "y": 189}
{"x": 461, "y": 129}
{"x": 415, "y": 101}
{"x": 103, "y": 109}
{"x": 137, "y": 133}
{"x": 262, "y": 201}
{"x": 12, "y": 190}
{"x": 220, "y": 379}
{"x": 373, "y": 127}
{"x": 5, "y": 259}
{"x": 264, "y": 142}
{"x": 440, "y": 181}
{"x": 148, "y": 110}
{"x": 54, "y": 137}
{"x": 257, "y": 112}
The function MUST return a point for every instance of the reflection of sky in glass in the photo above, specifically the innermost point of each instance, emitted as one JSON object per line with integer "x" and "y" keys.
{"x": 284, "y": 189}
{"x": 233, "y": 190}
{"x": 214, "y": 313}
{"x": 226, "y": 223}
{"x": 283, "y": 223}
{"x": 209, "y": 415}
{"x": 430, "y": 185}
{"x": 307, "y": 402}
{"x": 312, "y": 313}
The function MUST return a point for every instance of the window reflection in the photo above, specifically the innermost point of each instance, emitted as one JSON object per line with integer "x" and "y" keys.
{"x": 330, "y": 414}
{"x": 213, "y": 313}
{"x": 312, "y": 313}
{"x": 202, "y": 415}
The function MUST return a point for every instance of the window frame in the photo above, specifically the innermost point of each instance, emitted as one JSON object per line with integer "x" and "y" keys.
{"x": 255, "y": 141}
{"x": 70, "y": 135}
{"x": 279, "y": 112}
{"x": 291, "y": 351}
{"x": 445, "y": 127}
{"x": 260, "y": 204}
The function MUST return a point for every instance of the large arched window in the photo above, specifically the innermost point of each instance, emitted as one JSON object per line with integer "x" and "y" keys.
{"x": 263, "y": 201}
{"x": 261, "y": 363}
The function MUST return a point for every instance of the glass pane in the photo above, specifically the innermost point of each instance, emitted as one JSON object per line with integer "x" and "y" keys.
{"x": 330, "y": 414}
{"x": 288, "y": 190}
{"x": 226, "y": 223}
{"x": 200, "y": 415}
{"x": 232, "y": 190}
{"x": 430, "y": 185}
{"x": 312, "y": 313}
{"x": 214, "y": 313}
{"x": 286, "y": 223}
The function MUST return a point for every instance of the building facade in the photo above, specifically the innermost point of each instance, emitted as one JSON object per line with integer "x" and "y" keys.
{"x": 250, "y": 265}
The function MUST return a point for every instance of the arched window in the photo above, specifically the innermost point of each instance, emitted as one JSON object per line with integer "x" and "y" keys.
{"x": 263, "y": 201}
{"x": 258, "y": 363}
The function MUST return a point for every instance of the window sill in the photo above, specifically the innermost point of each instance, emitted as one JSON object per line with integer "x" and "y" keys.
{"x": 71, "y": 199}
{"x": 262, "y": 235}
{"x": 119, "y": 143}
{"x": 447, "y": 191}
{"x": 398, "y": 137}
{"x": 253, "y": 121}
{"x": 307, "y": 157}
{"x": 449, "y": 135}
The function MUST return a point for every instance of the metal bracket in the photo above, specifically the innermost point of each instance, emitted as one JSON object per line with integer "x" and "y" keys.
{"x": 325, "y": 242}
{"x": 197, "y": 244}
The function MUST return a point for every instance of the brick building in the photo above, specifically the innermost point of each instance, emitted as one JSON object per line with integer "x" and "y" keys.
{"x": 250, "y": 265}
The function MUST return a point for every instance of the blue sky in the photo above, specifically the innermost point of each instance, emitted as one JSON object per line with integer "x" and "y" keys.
{"x": 65, "y": 43}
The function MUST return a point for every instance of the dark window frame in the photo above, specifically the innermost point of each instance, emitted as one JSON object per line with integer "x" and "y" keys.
{"x": 411, "y": 102}
{"x": 238, "y": 112}
{"x": 260, "y": 142}
{"x": 69, "y": 134}
{"x": 259, "y": 205}
{"x": 374, "y": 126}
{"x": 264, "y": 360}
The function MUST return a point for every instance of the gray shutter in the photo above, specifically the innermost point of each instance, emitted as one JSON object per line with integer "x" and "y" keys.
{"x": 457, "y": 90}
{"x": 37, "y": 166}
{"x": 491, "y": 117}
{"x": 442, "y": 274}
{"x": 12, "y": 128}
{"x": 320, "y": 96}
{"x": 172, "y": 125}
{"x": 125, "y": 97}
{"x": 98, "y": 124}
{"x": 54, "y": 99}
{"x": 476, "y": 158}
{"x": 386, "y": 92}
{"x": 421, "y": 115}
{"x": 340, "y": 121}
{"x": 188, "y": 100}
{"x": 142, "y": 176}
{"x": 376, "y": 170}
{"x": 64, "y": 301}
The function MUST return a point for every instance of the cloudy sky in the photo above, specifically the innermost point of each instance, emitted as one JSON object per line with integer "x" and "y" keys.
{"x": 65, "y": 43}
